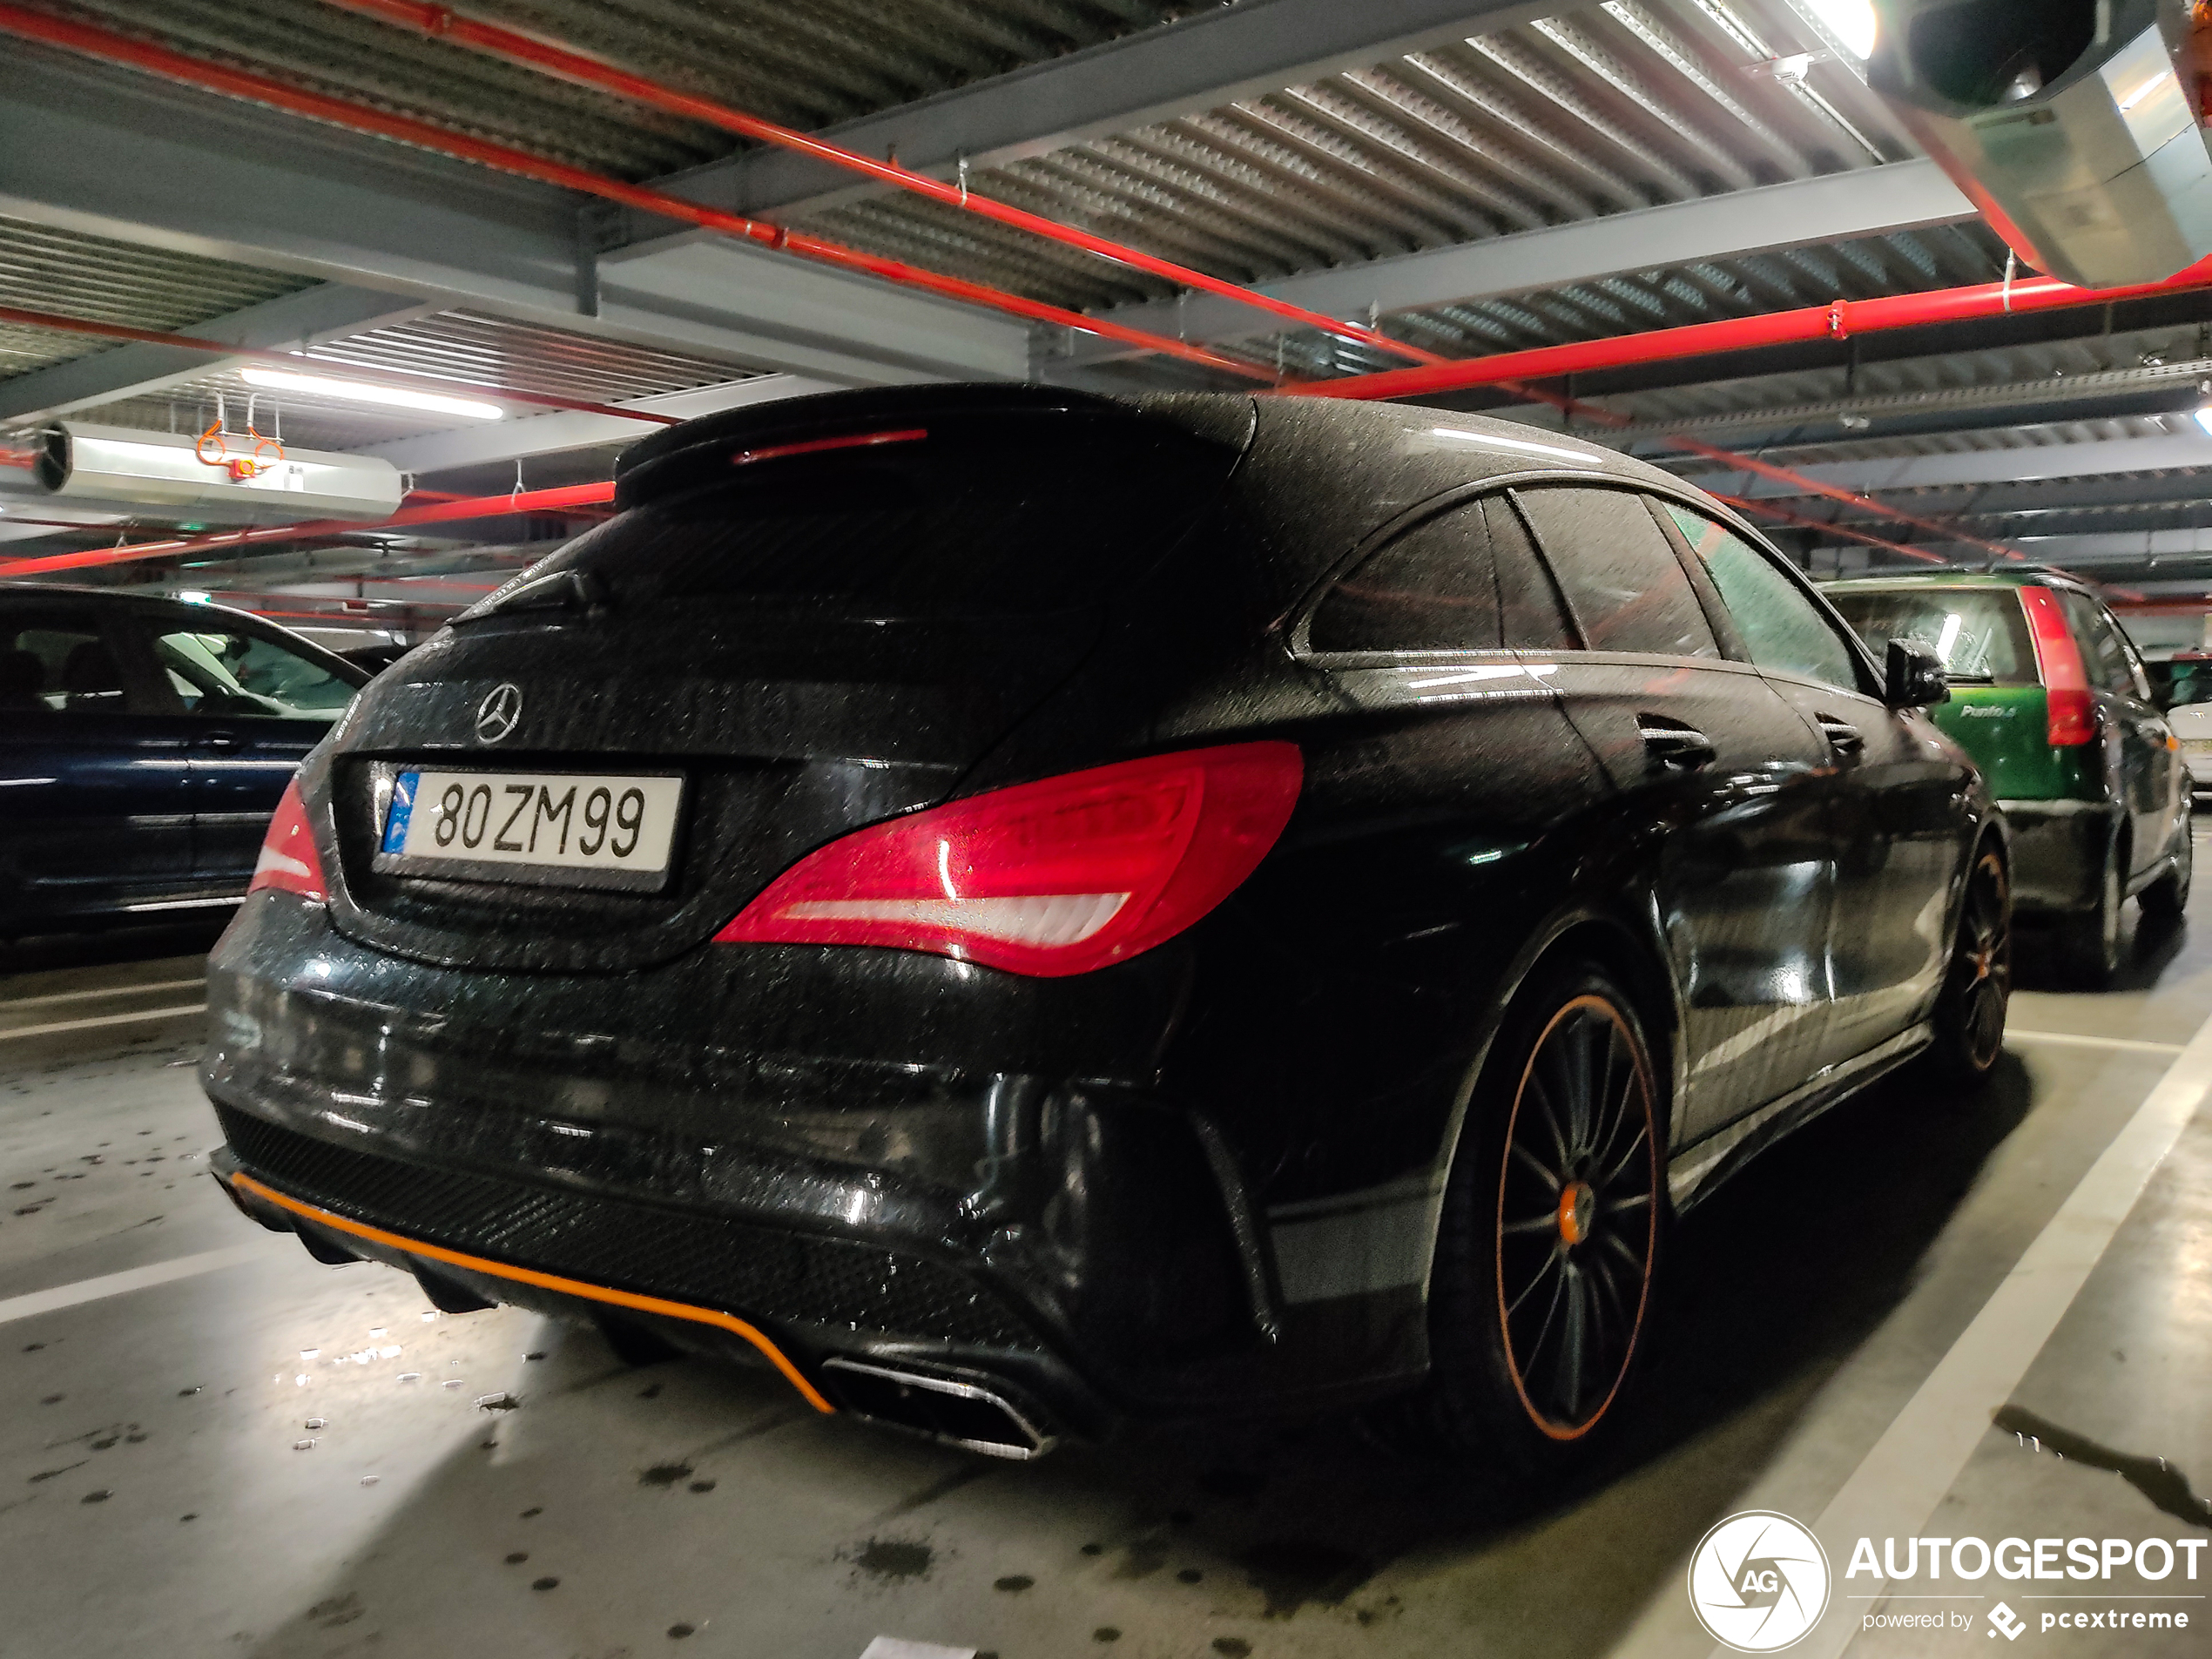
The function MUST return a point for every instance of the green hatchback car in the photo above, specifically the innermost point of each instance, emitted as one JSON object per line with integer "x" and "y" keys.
{"x": 2050, "y": 699}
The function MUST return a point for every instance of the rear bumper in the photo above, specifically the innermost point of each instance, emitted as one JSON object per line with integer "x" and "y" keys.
{"x": 2058, "y": 849}
{"x": 1068, "y": 1243}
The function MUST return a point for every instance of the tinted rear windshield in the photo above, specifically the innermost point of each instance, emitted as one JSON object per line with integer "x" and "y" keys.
{"x": 1980, "y": 633}
{"x": 994, "y": 517}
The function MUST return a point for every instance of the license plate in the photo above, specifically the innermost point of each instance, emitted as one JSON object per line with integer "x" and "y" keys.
{"x": 559, "y": 829}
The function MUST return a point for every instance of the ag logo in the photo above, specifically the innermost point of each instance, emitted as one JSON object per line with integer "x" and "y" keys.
{"x": 499, "y": 713}
{"x": 1758, "y": 1581}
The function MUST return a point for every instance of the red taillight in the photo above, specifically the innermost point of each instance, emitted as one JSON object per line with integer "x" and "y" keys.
{"x": 1056, "y": 877}
{"x": 2072, "y": 710}
{"x": 289, "y": 861}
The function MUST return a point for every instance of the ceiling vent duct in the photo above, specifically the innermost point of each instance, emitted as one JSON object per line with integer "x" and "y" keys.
{"x": 239, "y": 479}
{"x": 2076, "y": 126}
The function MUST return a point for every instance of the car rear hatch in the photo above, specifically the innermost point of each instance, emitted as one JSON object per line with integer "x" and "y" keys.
{"x": 804, "y": 619}
{"x": 1998, "y": 712}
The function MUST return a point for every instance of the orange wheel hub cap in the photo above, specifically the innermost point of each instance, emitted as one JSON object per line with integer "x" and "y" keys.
{"x": 1577, "y": 1209}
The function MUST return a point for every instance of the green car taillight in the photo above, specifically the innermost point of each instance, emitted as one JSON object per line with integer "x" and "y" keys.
{"x": 2072, "y": 710}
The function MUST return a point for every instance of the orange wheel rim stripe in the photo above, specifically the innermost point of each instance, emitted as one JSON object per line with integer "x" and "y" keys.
{"x": 1550, "y": 1429}
{"x": 546, "y": 1281}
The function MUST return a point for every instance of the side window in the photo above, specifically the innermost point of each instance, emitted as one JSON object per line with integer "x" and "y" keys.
{"x": 1428, "y": 588}
{"x": 58, "y": 662}
{"x": 1530, "y": 614}
{"x": 1781, "y": 627}
{"x": 1624, "y": 584}
{"x": 2103, "y": 653}
{"x": 222, "y": 671}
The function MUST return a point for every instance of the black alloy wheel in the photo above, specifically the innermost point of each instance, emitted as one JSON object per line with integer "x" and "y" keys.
{"x": 1978, "y": 985}
{"x": 1546, "y": 1262}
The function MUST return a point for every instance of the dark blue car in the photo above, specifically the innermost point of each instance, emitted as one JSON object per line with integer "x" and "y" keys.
{"x": 143, "y": 744}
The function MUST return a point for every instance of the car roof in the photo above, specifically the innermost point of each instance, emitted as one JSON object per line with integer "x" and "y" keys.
{"x": 1943, "y": 580}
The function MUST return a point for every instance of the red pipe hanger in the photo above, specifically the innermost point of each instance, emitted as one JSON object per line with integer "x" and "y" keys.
{"x": 107, "y": 46}
{"x": 506, "y": 45}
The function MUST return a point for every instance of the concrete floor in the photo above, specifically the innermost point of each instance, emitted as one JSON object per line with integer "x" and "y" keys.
{"x": 259, "y": 1455}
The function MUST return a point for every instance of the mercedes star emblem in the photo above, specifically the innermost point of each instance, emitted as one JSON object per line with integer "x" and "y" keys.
{"x": 499, "y": 713}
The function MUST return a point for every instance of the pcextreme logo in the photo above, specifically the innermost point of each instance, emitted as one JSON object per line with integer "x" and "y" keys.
{"x": 1758, "y": 1581}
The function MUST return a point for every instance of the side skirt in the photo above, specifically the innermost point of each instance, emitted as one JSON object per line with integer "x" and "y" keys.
{"x": 1697, "y": 1170}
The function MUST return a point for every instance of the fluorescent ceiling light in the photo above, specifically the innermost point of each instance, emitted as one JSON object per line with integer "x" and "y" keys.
{"x": 1852, "y": 21}
{"x": 278, "y": 380}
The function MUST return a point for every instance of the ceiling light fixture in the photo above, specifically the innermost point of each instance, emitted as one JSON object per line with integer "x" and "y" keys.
{"x": 2204, "y": 417}
{"x": 1852, "y": 21}
{"x": 277, "y": 380}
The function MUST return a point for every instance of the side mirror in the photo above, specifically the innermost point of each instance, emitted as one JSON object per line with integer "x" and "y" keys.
{"x": 1914, "y": 677}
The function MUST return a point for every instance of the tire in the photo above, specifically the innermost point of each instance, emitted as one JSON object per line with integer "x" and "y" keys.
{"x": 2089, "y": 941}
{"x": 1542, "y": 1288}
{"x": 2168, "y": 896}
{"x": 1978, "y": 986}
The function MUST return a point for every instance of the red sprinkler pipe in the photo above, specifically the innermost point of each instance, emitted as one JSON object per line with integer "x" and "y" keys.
{"x": 1795, "y": 480}
{"x": 445, "y": 512}
{"x": 298, "y": 364}
{"x": 1838, "y": 320}
{"x": 109, "y": 47}
{"x": 1783, "y": 515}
{"x": 506, "y": 45}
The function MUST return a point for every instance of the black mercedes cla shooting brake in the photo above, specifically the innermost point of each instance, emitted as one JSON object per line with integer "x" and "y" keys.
{"x": 1028, "y": 911}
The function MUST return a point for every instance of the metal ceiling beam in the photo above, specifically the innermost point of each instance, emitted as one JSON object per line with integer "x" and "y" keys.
{"x": 128, "y": 157}
{"x": 310, "y": 317}
{"x": 2024, "y": 503}
{"x": 544, "y": 435}
{"x": 1200, "y": 63}
{"x": 1982, "y": 466}
{"x": 1833, "y": 207}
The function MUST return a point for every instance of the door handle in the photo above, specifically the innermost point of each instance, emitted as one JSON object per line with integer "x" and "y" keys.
{"x": 216, "y": 740}
{"x": 1842, "y": 737}
{"x": 1672, "y": 745}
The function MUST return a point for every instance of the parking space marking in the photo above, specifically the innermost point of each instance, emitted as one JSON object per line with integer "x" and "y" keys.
{"x": 2076, "y": 1040}
{"x": 49, "y": 1030}
{"x": 105, "y": 990}
{"x": 136, "y": 1278}
{"x": 1896, "y": 1488}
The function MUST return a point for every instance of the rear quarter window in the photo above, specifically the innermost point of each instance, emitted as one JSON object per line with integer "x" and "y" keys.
{"x": 1627, "y": 590}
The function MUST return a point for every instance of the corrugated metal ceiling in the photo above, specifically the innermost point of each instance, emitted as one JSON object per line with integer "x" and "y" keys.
{"x": 1626, "y": 104}
{"x": 806, "y": 65}
{"x": 43, "y": 269}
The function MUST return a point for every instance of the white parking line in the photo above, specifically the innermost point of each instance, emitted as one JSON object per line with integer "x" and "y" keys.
{"x": 106, "y": 990}
{"x": 2076, "y": 1040}
{"x": 137, "y": 1278}
{"x": 1896, "y": 1488}
{"x": 103, "y": 1019}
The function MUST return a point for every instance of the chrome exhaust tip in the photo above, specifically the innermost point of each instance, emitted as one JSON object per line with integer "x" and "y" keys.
{"x": 958, "y": 1413}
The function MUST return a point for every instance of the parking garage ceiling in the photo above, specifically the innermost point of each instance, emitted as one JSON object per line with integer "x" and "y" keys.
{"x": 1461, "y": 177}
